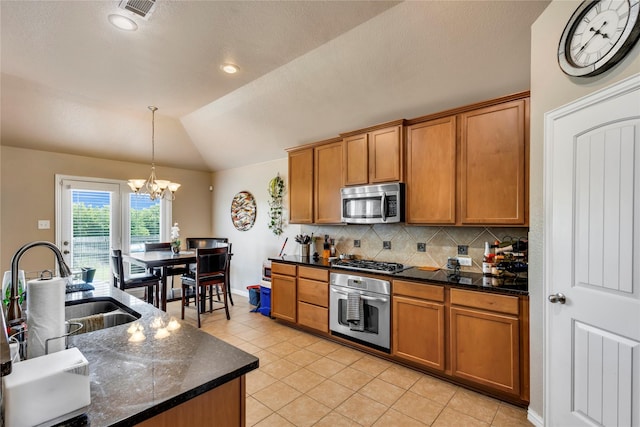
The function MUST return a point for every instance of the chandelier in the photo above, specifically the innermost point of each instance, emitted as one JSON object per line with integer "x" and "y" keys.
{"x": 155, "y": 188}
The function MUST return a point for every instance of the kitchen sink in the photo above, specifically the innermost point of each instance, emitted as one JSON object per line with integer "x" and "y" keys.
{"x": 97, "y": 313}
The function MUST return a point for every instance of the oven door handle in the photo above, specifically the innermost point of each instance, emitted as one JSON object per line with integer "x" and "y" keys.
{"x": 364, "y": 297}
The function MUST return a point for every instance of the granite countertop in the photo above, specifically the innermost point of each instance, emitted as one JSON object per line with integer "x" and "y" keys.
{"x": 473, "y": 281}
{"x": 133, "y": 381}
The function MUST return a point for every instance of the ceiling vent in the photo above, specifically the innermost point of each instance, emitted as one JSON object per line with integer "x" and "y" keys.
{"x": 142, "y": 8}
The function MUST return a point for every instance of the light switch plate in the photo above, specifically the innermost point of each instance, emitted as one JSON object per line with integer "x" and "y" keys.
{"x": 44, "y": 224}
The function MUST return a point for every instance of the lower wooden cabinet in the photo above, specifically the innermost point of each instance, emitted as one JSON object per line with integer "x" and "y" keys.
{"x": 485, "y": 349}
{"x": 313, "y": 316}
{"x": 485, "y": 339}
{"x": 313, "y": 298}
{"x": 418, "y": 331}
{"x": 283, "y": 291}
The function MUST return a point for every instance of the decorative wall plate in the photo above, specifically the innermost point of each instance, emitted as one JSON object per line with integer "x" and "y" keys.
{"x": 243, "y": 211}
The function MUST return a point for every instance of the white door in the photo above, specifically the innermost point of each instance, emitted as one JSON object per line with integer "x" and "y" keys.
{"x": 90, "y": 224}
{"x": 592, "y": 260}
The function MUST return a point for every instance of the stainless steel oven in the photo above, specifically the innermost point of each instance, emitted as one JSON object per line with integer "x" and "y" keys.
{"x": 372, "y": 299}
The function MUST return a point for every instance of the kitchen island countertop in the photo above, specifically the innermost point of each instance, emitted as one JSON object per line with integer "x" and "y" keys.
{"x": 134, "y": 381}
{"x": 465, "y": 280}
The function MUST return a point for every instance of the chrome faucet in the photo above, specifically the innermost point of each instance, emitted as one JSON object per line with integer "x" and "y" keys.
{"x": 14, "y": 313}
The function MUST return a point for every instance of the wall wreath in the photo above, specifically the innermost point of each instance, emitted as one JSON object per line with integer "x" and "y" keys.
{"x": 243, "y": 211}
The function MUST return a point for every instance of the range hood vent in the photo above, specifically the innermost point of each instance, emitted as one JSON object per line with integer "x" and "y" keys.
{"x": 142, "y": 8}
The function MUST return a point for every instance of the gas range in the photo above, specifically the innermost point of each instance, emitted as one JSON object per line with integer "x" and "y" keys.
{"x": 370, "y": 266}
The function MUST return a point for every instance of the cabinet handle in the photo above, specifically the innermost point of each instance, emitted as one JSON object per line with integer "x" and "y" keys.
{"x": 364, "y": 297}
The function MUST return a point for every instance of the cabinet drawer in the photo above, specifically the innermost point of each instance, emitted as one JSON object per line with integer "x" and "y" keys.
{"x": 286, "y": 269}
{"x": 486, "y": 301}
{"x": 418, "y": 290}
{"x": 313, "y": 292}
{"x": 313, "y": 316}
{"x": 314, "y": 273}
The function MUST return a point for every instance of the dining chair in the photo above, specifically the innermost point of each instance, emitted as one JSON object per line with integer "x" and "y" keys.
{"x": 172, "y": 270}
{"x": 212, "y": 269}
{"x": 209, "y": 242}
{"x": 140, "y": 280}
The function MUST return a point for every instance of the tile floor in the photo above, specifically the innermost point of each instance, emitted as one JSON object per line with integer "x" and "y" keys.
{"x": 304, "y": 380}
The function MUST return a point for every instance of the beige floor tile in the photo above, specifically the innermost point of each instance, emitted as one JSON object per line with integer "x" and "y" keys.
{"x": 334, "y": 419}
{"x": 418, "y": 407}
{"x": 266, "y": 357}
{"x": 234, "y": 340}
{"x": 274, "y": 420}
{"x": 371, "y": 365}
{"x": 382, "y": 392}
{"x": 510, "y": 416}
{"x": 476, "y": 405}
{"x": 304, "y": 340}
{"x": 304, "y": 411}
{"x": 257, "y": 380}
{"x": 326, "y": 367}
{"x": 283, "y": 348}
{"x": 361, "y": 409}
{"x": 250, "y": 335}
{"x": 248, "y": 347}
{"x": 346, "y": 355}
{"x": 280, "y": 368}
{"x": 256, "y": 411}
{"x": 303, "y": 380}
{"x": 352, "y": 378}
{"x": 393, "y": 418}
{"x": 303, "y": 357}
{"x": 276, "y": 395}
{"x": 452, "y": 418}
{"x": 330, "y": 393}
{"x": 266, "y": 341}
{"x": 434, "y": 389}
{"x": 400, "y": 376}
{"x": 323, "y": 347}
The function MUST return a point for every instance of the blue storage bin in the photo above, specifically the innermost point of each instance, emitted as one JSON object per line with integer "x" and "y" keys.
{"x": 265, "y": 301}
{"x": 254, "y": 295}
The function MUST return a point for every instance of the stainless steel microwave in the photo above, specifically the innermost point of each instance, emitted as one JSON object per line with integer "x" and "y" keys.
{"x": 373, "y": 204}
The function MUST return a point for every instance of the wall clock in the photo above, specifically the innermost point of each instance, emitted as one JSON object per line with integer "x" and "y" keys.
{"x": 599, "y": 34}
{"x": 243, "y": 211}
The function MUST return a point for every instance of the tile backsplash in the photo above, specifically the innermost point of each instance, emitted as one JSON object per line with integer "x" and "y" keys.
{"x": 440, "y": 242}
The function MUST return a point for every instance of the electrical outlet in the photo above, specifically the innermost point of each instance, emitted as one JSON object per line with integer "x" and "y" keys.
{"x": 465, "y": 261}
{"x": 422, "y": 247}
{"x": 463, "y": 250}
{"x": 386, "y": 244}
{"x": 44, "y": 224}
{"x": 356, "y": 243}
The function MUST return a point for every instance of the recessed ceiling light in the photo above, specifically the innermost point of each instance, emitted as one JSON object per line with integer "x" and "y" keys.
{"x": 230, "y": 68}
{"x": 122, "y": 22}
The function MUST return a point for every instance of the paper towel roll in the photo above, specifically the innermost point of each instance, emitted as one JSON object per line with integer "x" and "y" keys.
{"x": 45, "y": 315}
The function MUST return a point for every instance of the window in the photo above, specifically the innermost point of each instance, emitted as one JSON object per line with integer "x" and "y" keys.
{"x": 95, "y": 215}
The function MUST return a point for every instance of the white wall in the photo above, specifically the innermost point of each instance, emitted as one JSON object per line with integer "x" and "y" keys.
{"x": 251, "y": 247}
{"x": 550, "y": 89}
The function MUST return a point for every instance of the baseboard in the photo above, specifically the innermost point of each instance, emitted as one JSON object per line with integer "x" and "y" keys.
{"x": 534, "y": 418}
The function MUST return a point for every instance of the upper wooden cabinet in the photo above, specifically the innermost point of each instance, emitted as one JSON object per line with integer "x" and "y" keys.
{"x": 493, "y": 164}
{"x": 327, "y": 183}
{"x": 301, "y": 186}
{"x": 470, "y": 166}
{"x": 431, "y": 172}
{"x": 374, "y": 156}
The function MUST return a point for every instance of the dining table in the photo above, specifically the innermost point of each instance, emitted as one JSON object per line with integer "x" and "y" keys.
{"x": 162, "y": 260}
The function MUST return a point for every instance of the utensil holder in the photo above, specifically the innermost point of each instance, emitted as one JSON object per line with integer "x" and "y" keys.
{"x": 304, "y": 250}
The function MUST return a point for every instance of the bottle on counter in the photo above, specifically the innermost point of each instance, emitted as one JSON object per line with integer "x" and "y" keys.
{"x": 488, "y": 260}
{"x": 326, "y": 248}
{"x": 332, "y": 247}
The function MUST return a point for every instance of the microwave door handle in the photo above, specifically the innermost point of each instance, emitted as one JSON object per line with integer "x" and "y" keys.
{"x": 383, "y": 206}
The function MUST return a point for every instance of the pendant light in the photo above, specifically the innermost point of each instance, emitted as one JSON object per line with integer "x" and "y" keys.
{"x": 155, "y": 188}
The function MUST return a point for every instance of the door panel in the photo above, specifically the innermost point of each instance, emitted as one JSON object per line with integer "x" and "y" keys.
{"x": 592, "y": 256}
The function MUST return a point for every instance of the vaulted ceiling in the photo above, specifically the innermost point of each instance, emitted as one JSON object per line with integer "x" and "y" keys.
{"x": 71, "y": 82}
